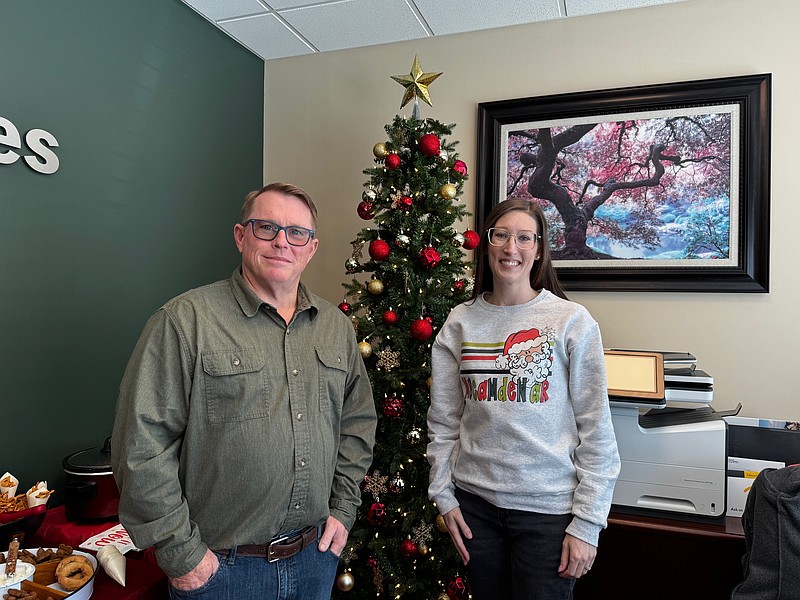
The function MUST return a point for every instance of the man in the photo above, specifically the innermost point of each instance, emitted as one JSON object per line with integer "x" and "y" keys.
{"x": 245, "y": 422}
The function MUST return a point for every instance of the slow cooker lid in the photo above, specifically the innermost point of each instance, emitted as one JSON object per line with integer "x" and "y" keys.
{"x": 91, "y": 460}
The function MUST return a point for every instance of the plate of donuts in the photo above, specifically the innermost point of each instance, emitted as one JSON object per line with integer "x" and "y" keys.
{"x": 69, "y": 577}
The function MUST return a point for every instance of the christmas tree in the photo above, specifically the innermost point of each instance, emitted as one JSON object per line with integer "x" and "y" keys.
{"x": 399, "y": 546}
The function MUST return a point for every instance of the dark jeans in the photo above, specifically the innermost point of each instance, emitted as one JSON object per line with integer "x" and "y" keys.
{"x": 307, "y": 575}
{"x": 513, "y": 554}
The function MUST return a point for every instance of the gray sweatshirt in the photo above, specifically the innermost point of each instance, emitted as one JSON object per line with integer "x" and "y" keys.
{"x": 519, "y": 411}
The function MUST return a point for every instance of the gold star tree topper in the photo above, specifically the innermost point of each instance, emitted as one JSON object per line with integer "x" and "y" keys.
{"x": 416, "y": 83}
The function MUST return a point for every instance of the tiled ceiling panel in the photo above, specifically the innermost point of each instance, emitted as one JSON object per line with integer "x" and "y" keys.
{"x": 282, "y": 28}
{"x": 267, "y": 36}
{"x": 472, "y": 15}
{"x": 356, "y": 23}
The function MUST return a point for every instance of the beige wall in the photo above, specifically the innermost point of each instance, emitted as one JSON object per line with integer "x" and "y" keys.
{"x": 325, "y": 111}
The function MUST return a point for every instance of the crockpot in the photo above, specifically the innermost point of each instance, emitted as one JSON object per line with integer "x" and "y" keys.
{"x": 90, "y": 492}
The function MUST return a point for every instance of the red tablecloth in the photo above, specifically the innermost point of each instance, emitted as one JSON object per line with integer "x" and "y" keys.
{"x": 143, "y": 579}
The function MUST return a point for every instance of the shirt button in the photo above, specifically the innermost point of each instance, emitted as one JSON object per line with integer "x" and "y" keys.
{"x": 299, "y": 416}
{"x": 236, "y": 362}
{"x": 295, "y": 372}
{"x": 297, "y": 506}
{"x": 302, "y": 463}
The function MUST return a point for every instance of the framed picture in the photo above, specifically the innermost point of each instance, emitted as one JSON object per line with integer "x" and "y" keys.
{"x": 651, "y": 188}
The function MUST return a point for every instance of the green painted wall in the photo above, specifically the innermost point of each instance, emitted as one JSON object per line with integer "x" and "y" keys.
{"x": 159, "y": 120}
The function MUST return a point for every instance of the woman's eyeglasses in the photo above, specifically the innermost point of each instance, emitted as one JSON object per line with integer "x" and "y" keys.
{"x": 525, "y": 240}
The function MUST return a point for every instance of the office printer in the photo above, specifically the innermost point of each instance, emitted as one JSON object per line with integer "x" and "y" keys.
{"x": 672, "y": 444}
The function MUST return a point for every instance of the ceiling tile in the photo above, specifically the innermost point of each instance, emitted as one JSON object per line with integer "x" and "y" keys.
{"x": 266, "y": 36}
{"x": 225, "y": 9}
{"x": 472, "y": 15}
{"x": 355, "y": 23}
{"x": 283, "y": 4}
{"x": 588, "y": 7}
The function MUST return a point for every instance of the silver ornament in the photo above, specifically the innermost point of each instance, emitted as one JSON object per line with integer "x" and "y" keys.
{"x": 458, "y": 240}
{"x": 397, "y": 485}
{"x": 414, "y": 436}
{"x": 369, "y": 195}
{"x": 443, "y": 154}
{"x": 402, "y": 241}
{"x": 351, "y": 265}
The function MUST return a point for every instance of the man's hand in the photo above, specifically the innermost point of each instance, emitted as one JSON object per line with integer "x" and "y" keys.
{"x": 334, "y": 536}
{"x": 198, "y": 576}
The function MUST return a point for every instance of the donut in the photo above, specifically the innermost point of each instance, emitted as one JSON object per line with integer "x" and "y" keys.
{"x": 73, "y": 572}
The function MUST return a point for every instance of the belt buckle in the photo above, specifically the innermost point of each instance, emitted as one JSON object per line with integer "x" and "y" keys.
{"x": 276, "y": 542}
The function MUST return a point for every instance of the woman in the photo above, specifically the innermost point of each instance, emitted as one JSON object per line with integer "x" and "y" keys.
{"x": 522, "y": 449}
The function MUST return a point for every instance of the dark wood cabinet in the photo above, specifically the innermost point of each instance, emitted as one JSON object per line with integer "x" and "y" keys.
{"x": 663, "y": 558}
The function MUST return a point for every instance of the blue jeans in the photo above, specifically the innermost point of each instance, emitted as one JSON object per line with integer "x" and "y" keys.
{"x": 308, "y": 575}
{"x": 513, "y": 554}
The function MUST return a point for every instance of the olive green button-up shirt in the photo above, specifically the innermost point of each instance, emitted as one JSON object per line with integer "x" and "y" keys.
{"x": 232, "y": 427}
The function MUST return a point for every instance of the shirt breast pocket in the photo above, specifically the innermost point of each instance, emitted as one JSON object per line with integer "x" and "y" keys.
{"x": 235, "y": 385}
{"x": 332, "y": 365}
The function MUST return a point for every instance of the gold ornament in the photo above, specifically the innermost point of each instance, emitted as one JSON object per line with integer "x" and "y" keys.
{"x": 375, "y": 287}
{"x": 365, "y": 348}
{"x": 379, "y": 150}
{"x": 345, "y": 581}
{"x": 376, "y": 484}
{"x": 429, "y": 382}
{"x": 441, "y": 526}
{"x": 448, "y": 191}
{"x": 443, "y": 596}
{"x": 416, "y": 83}
{"x": 423, "y": 549}
{"x": 388, "y": 359}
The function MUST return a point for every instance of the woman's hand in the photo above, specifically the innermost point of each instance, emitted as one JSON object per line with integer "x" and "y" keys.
{"x": 457, "y": 528}
{"x": 577, "y": 557}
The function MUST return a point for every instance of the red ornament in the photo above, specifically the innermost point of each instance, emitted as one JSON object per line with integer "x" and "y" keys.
{"x": 429, "y": 145}
{"x": 471, "y": 239}
{"x": 392, "y": 161}
{"x": 457, "y": 588}
{"x": 460, "y": 167}
{"x": 393, "y": 407}
{"x": 459, "y": 285}
{"x": 421, "y": 330}
{"x": 366, "y": 210}
{"x": 404, "y": 202}
{"x": 390, "y": 318}
{"x": 345, "y": 308}
{"x": 408, "y": 548}
{"x": 376, "y": 514}
{"x": 430, "y": 257}
{"x": 379, "y": 250}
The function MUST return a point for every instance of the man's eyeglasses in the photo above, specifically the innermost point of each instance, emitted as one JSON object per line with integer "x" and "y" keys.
{"x": 268, "y": 231}
{"x": 499, "y": 236}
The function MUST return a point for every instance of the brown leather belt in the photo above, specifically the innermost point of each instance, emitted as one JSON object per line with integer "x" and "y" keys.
{"x": 281, "y": 547}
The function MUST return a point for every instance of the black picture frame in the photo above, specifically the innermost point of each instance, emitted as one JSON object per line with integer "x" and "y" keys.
{"x": 748, "y": 96}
